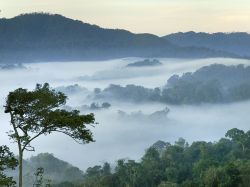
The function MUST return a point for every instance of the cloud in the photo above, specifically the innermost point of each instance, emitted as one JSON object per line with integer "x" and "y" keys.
{"x": 154, "y": 16}
{"x": 116, "y": 137}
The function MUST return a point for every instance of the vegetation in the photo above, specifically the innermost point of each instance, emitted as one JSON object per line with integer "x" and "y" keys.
{"x": 223, "y": 163}
{"x": 39, "y": 179}
{"x": 91, "y": 107}
{"x": 130, "y": 92}
{"x": 35, "y": 113}
{"x": 146, "y": 62}
{"x": 46, "y": 37}
{"x": 155, "y": 117}
{"x": 96, "y": 106}
{"x": 236, "y": 42}
{"x": 46, "y": 168}
{"x": 11, "y": 66}
{"x": 210, "y": 84}
{"x": 7, "y": 161}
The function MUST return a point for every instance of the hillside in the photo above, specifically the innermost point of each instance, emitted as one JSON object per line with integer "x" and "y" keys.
{"x": 55, "y": 169}
{"x": 237, "y": 43}
{"x": 225, "y": 162}
{"x": 46, "y": 37}
{"x": 215, "y": 83}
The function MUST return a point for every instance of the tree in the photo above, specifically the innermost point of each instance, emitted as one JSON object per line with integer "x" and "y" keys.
{"x": 38, "y": 112}
{"x": 212, "y": 176}
{"x": 106, "y": 169}
{"x": 240, "y": 137}
{"x": 39, "y": 178}
{"x": 7, "y": 160}
{"x": 181, "y": 142}
{"x": 152, "y": 166}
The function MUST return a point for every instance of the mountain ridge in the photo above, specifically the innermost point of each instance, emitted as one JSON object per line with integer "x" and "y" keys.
{"x": 233, "y": 42}
{"x": 39, "y": 37}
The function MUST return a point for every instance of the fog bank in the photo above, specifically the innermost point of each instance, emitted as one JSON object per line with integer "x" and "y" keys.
{"x": 117, "y": 137}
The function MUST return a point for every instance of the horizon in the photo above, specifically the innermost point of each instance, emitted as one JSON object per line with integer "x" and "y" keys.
{"x": 145, "y": 32}
{"x": 157, "y": 17}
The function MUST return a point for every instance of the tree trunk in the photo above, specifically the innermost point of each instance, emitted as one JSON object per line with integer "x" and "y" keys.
{"x": 20, "y": 167}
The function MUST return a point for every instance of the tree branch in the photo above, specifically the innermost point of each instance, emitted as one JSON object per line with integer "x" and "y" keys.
{"x": 31, "y": 139}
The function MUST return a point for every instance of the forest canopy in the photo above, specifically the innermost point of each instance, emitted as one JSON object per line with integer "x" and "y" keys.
{"x": 225, "y": 162}
{"x": 215, "y": 83}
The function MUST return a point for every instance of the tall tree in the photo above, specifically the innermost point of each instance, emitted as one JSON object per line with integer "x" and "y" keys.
{"x": 240, "y": 137}
{"x": 39, "y": 112}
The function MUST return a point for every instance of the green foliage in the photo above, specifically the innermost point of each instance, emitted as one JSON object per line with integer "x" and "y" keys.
{"x": 39, "y": 179}
{"x": 99, "y": 176}
{"x": 202, "y": 164}
{"x": 7, "y": 161}
{"x": 38, "y": 112}
{"x": 65, "y": 184}
{"x": 215, "y": 83}
{"x": 240, "y": 137}
{"x": 167, "y": 184}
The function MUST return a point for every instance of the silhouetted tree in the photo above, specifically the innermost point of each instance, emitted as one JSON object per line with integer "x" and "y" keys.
{"x": 38, "y": 112}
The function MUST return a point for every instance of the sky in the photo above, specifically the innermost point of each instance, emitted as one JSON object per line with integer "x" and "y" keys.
{"x": 159, "y": 17}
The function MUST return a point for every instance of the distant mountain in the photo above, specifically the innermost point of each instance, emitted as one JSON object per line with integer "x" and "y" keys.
{"x": 237, "y": 43}
{"x": 55, "y": 170}
{"x": 45, "y": 37}
{"x": 11, "y": 66}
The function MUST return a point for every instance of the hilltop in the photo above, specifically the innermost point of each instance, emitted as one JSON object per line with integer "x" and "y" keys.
{"x": 51, "y": 37}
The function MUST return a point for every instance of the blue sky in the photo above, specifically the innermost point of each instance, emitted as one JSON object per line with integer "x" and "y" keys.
{"x": 154, "y": 16}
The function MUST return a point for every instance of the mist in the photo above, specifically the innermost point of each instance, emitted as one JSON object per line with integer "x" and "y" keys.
{"x": 117, "y": 137}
